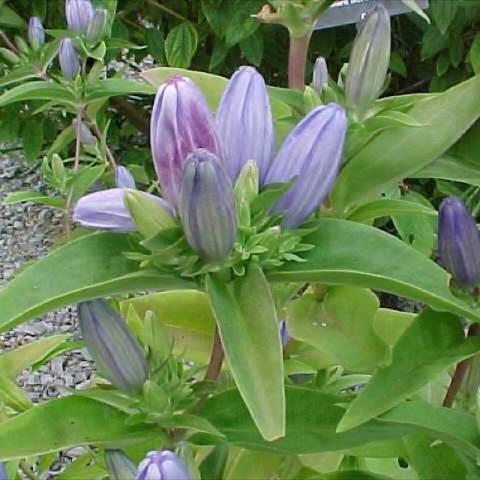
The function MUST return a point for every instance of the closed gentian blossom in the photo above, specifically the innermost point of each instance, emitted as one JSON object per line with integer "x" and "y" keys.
{"x": 68, "y": 58}
{"x": 115, "y": 350}
{"x": 182, "y": 125}
{"x": 245, "y": 123}
{"x": 123, "y": 178}
{"x": 162, "y": 465}
{"x": 320, "y": 74}
{"x": 459, "y": 242}
{"x": 79, "y": 14}
{"x": 311, "y": 154}
{"x": 36, "y": 33}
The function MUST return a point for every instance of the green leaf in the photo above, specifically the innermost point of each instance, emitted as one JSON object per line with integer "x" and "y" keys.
{"x": 450, "y": 167}
{"x": 390, "y": 325}
{"x": 115, "y": 87}
{"x": 32, "y": 136}
{"x": 434, "y": 342}
{"x": 341, "y": 326}
{"x": 186, "y": 314}
{"x": 474, "y": 54}
{"x": 245, "y": 313}
{"x": 397, "y": 153}
{"x": 35, "y": 197}
{"x": 240, "y": 24}
{"x": 432, "y": 42}
{"x": 354, "y": 475}
{"x": 155, "y": 44}
{"x": 386, "y": 207}
{"x": 450, "y": 425}
{"x": 40, "y": 90}
{"x": 20, "y": 74}
{"x": 84, "y": 179}
{"x": 181, "y": 45}
{"x": 443, "y": 12}
{"x": 343, "y": 256}
{"x": 417, "y": 231}
{"x": 252, "y": 48}
{"x": 12, "y": 362}
{"x": 13, "y": 396}
{"x": 41, "y": 429}
{"x": 96, "y": 268}
{"x": 9, "y": 18}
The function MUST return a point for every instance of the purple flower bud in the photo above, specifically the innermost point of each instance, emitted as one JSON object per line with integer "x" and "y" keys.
{"x": 79, "y": 14}
{"x": 115, "y": 350}
{"x": 181, "y": 122}
{"x": 3, "y": 472}
{"x": 244, "y": 122}
{"x": 123, "y": 178}
{"x": 106, "y": 210}
{"x": 69, "y": 63}
{"x": 311, "y": 153}
{"x": 459, "y": 242}
{"x": 36, "y": 33}
{"x": 369, "y": 59}
{"x": 207, "y": 207}
{"x": 119, "y": 466}
{"x": 86, "y": 137}
{"x": 320, "y": 74}
{"x": 162, "y": 465}
{"x": 96, "y": 28}
{"x": 284, "y": 336}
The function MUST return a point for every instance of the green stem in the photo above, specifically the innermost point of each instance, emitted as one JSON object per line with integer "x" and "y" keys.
{"x": 297, "y": 60}
{"x": 167, "y": 10}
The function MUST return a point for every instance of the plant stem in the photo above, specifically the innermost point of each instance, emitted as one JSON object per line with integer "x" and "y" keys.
{"x": 216, "y": 358}
{"x": 76, "y": 162}
{"x": 460, "y": 371}
{"x": 297, "y": 60}
{"x": 98, "y": 134}
{"x": 9, "y": 44}
{"x": 167, "y": 10}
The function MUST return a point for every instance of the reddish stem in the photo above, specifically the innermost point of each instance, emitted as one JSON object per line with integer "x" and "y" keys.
{"x": 216, "y": 358}
{"x": 297, "y": 60}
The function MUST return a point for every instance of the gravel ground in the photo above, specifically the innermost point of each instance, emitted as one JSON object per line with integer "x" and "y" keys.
{"x": 27, "y": 232}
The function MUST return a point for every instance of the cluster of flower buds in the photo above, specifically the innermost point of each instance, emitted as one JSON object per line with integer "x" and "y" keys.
{"x": 116, "y": 352}
{"x": 162, "y": 465}
{"x": 198, "y": 160}
{"x": 459, "y": 242}
{"x": 36, "y": 33}
{"x": 369, "y": 60}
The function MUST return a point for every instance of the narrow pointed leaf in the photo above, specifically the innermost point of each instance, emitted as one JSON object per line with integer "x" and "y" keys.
{"x": 90, "y": 267}
{"x": 394, "y": 267}
{"x": 434, "y": 342}
{"x": 40, "y": 90}
{"x": 247, "y": 321}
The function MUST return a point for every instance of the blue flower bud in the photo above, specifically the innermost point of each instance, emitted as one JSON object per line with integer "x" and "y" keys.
{"x": 244, "y": 123}
{"x": 79, "y": 14}
{"x": 459, "y": 242}
{"x": 207, "y": 207}
{"x": 162, "y": 465}
{"x": 119, "y": 466}
{"x": 123, "y": 178}
{"x": 369, "y": 59}
{"x": 106, "y": 210}
{"x": 86, "y": 137}
{"x": 69, "y": 63}
{"x": 36, "y": 33}
{"x": 181, "y": 122}
{"x": 97, "y": 27}
{"x": 3, "y": 472}
{"x": 116, "y": 352}
{"x": 311, "y": 155}
{"x": 320, "y": 74}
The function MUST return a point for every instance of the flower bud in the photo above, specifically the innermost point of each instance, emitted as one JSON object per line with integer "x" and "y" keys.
{"x": 244, "y": 122}
{"x": 311, "y": 155}
{"x": 459, "y": 242}
{"x": 106, "y": 210}
{"x": 123, "y": 178}
{"x": 36, "y": 33}
{"x": 116, "y": 352}
{"x": 86, "y": 137}
{"x": 247, "y": 185}
{"x": 181, "y": 122}
{"x": 79, "y": 14}
{"x": 162, "y": 465}
{"x": 3, "y": 472}
{"x": 320, "y": 74}
{"x": 97, "y": 27}
{"x": 119, "y": 466}
{"x": 69, "y": 63}
{"x": 284, "y": 336}
{"x": 207, "y": 207}
{"x": 369, "y": 59}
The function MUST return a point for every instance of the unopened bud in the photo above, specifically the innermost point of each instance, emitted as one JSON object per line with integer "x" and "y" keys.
{"x": 97, "y": 27}
{"x": 36, "y": 33}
